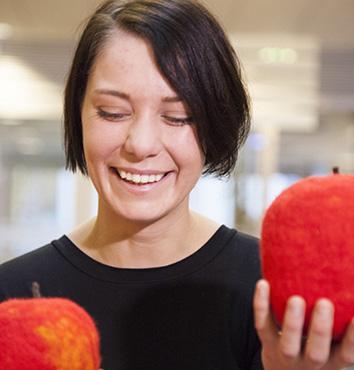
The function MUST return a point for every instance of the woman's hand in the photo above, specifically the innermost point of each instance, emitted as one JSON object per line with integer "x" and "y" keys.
{"x": 286, "y": 350}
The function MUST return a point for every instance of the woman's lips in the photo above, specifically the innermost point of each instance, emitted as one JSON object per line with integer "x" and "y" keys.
{"x": 139, "y": 179}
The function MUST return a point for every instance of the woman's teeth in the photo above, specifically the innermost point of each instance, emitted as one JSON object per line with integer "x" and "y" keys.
{"x": 139, "y": 179}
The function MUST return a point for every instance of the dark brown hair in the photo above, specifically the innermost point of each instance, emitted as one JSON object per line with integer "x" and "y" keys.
{"x": 191, "y": 51}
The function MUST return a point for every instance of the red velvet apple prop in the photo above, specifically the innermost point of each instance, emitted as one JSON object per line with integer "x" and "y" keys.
{"x": 47, "y": 334}
{"x": 307, "y": 246}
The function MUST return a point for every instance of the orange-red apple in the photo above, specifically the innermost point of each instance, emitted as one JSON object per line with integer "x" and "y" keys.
{"x": 47, "y": 334}
{"x": 307, "y": 246}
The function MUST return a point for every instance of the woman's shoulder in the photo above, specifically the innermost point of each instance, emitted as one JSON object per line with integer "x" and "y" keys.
{"x": 246, "y": 242}
{"x": 210, "y": 227}
{"x": 239, "y": 255}
{"x": 33, "y": 259}
{"x": 17, "y": 274}
{"x": 234, "y": 246}
{"x": 240, "y": 242}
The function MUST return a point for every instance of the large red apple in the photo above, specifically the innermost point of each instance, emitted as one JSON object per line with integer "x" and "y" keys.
{"x": 307, "y": 246}
{"x": 47, "y": 334}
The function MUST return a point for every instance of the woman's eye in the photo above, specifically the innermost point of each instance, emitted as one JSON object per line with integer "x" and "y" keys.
{"x": 176, "y": 121}
{"x": 111, "y": 116}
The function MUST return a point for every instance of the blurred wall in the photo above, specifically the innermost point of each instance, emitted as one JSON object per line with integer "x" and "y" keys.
{"x": 298, "y": 59}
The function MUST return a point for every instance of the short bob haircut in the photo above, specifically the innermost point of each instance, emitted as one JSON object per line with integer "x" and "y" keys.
{"x": 192, "y": 53}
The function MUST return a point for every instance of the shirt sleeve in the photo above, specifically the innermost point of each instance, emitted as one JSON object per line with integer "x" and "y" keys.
{"x": 245, "y": 341}
{"x": 257, "y": 361}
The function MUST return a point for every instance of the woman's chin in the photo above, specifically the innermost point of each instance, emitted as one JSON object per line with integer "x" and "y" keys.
{"x": 140, "y": 213}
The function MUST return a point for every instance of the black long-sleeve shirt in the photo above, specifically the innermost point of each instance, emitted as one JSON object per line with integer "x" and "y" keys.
{"x": 195, "y": 314}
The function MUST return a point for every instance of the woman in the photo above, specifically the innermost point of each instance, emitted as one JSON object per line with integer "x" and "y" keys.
{"x": 155, "y": 98}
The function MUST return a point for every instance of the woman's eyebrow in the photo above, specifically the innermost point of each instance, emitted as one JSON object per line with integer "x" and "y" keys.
{"x": 110, "y": 92}
{"x": 120, "y": 94}
{"x": 171, "y": 99}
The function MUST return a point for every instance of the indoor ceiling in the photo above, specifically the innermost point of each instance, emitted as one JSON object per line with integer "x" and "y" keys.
{"x": 41, "y": 34}
{"x": 331, "y": 21}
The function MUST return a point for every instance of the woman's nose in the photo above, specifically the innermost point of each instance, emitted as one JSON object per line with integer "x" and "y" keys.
{"x": 143, "y": 138}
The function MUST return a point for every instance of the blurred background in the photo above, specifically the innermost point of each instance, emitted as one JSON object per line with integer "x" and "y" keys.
{"x": 298, "y": 58}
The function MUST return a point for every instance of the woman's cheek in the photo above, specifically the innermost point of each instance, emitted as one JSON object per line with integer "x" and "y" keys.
{"x": 101, "y": 141}
{"x": 190, "y": 150}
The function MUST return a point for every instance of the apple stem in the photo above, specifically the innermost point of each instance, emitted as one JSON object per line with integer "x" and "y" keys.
{"x": 36, "y": 292}
{"x": 335, "y": 170}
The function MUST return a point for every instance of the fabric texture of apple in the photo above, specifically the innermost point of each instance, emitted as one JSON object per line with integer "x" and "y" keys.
{"x": 47, "y": 334}
{"x": 307, "y": 246}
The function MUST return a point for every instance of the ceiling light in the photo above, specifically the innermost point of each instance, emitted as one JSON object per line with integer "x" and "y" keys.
{"x": 5, "y": 31}
{"x": 10, "y": 122}
{"x": 278, "y": 55}
{"x": 29, "y": 145}
{"x": 25, "y": 94}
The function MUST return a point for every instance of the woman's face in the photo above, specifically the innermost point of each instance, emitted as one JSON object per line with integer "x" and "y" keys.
{"x": 141, "y": 148}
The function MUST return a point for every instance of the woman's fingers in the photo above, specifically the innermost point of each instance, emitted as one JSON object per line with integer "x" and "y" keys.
{"x": 285, "y": 350}
{"x": 318, "y": 345}
{"x": 344, "y": 352}
{"x": 290, "y": 340}
{"x": 264, "y": 323}
{"x": 347, "y": 347}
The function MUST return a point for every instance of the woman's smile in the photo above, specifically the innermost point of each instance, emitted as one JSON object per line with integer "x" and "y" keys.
{"x": 140, "y": 181}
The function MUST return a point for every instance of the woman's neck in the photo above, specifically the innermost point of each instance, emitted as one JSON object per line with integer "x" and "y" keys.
{"x": 129, "y": 244}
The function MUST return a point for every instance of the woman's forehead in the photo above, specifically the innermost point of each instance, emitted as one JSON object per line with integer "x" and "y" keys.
{"x": 122, "y": 48}
{"x": 126, "y": 62}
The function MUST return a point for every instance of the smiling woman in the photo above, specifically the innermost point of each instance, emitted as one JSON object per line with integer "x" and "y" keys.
{"x": 143, "y": 129}
{"x": 194, "y": 58}
{"x": 154, "y": 99}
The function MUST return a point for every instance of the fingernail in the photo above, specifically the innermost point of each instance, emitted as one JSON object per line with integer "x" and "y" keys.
{"x": 296, "y": 306}
{"x": 262, "y": 289}
{"x": 324, "y": 307}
